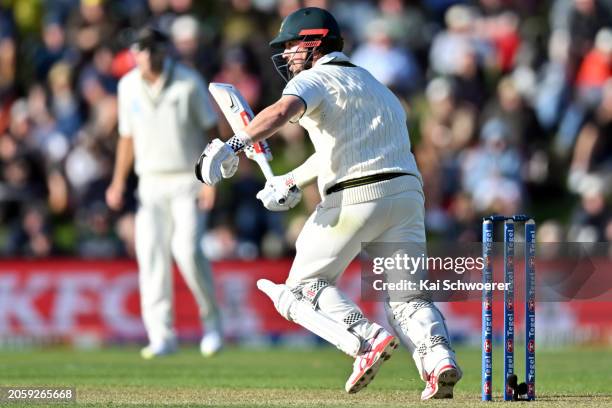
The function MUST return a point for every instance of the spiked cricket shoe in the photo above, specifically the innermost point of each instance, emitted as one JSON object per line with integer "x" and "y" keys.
{"x": 158, "y": 350}
{"x": 211, "y": 343}
{"x": 367, "y": 364}
{"x": 442, "y": 381}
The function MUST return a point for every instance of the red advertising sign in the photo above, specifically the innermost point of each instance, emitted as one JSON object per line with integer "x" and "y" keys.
{"x": 67, "y": 298}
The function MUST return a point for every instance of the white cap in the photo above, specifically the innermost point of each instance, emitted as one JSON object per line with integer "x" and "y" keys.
{"x": 459, "y": 16}
{"x": 185, "y": 28}
{"x": 603, "y": 40}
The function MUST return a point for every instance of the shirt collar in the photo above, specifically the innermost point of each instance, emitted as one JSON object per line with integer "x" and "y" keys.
{"x": 332, "y": 56}
{"x": 164, "y": 75}
{"x": 155, "y": 90}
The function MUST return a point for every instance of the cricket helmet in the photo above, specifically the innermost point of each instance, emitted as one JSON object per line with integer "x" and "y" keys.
{"x": 315, "y": 28}
{"x": 307, "y": 23}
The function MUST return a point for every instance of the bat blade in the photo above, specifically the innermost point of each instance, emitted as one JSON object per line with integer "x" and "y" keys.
{"x": 238, "y": 114}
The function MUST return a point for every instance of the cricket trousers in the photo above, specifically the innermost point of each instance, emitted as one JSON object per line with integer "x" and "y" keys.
{"x": 169, "y": 226}
{"x": 333, "y": 234}
{"x": 388, "y": 211}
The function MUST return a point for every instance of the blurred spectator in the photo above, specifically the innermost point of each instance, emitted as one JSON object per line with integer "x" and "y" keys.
{"x": 353, "y": 17}
{"x": 552, "y": 90}
{"x": 447, "y": 128}
{"x": 236, "y": 72}
{"x": 491, "y": 172}
{"x": 245, "y": 24}
{"x": 7, "y": 25}
{"x": 181, "y": 6}
{"x": 595, "y": 69}
{"x": 53, "y": 49}
{"x": 8, "y": 73}
{"x": 407, "y": 23}
{"x": 22, "y": 164}
{"x": 592, "y": 153}
{"x": 501, "y": 30}
{"x": 53, "y": 143}
{"x": 89, "y": 26}
{"x": 463, "y": 225}
{"x": 189, "y": 46}
{"x": 64, "y": 104}
{"x": 468, "y": 79}
{"x": 592, "y": 216}
{"x": 27, "y": 16}
{"x": 96, "y": 238}
{"x": 393, "y": 66}
{"x": 550, "y": 231}
{"x": 586, "y": 18}
{"x": 519, "y": 118}
{"x": 101, "y": 67}
{"x": 30, "y": 234}
{"x": 459, "y": 38}
{"x": 596, "y": 66}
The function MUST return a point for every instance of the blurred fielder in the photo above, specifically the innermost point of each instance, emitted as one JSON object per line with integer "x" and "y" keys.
{"x": 371, "y": 190}
{"x": 163, "y": 107}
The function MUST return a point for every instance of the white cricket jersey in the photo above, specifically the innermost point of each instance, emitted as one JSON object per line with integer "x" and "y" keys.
{"x": 356, "y": 124}
{"x": 167, "y": 124}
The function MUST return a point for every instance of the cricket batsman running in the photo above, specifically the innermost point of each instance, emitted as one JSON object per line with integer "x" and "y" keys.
{"x": 371, "y": 191}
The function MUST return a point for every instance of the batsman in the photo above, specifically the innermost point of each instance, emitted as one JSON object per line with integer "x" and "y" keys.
{"x": 371, "y": 191}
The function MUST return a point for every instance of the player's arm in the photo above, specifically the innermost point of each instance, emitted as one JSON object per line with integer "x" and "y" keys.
{"x": 219, "y": 160}
{"x": 307, "y": 172}
{"x": 124, "y": 160}
{"x": 208, "y": 194}
{"x": 271, "y": 119}
{"x": 124, "y": 157}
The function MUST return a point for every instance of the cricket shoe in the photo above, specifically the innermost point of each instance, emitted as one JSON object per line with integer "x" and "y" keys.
{"x": 366, "y": 365}
{"x": 158, "y": 350}
{"x": 211, "y": 343}
{"x": 442, "y": 381}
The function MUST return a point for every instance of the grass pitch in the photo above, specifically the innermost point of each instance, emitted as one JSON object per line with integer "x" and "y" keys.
{"x": 576, "y": 377}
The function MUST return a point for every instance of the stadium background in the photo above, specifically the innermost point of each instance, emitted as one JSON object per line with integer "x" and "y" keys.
{"x": 510, "y": 107}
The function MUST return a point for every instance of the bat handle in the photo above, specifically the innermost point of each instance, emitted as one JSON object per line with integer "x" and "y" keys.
{"x": 293, "y": 190}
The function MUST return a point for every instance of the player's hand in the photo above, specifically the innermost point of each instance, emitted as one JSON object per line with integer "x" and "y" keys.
{"x": 114, "y": 196}
{"x": 206, "y": 197}
{"x": 217, "y": 161}
{"x": 280, "y": 193}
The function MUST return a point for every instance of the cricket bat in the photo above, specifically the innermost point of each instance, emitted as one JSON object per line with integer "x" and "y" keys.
{"x": 238, "y": 113}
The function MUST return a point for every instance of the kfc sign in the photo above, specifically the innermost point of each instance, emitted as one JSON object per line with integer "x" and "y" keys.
{"x": 57, "y": 298}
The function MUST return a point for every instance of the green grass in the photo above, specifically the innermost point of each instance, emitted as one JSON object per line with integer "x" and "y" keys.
{"x": 295, "y": 378}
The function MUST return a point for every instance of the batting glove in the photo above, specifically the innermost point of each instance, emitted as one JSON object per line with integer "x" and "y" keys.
{"x": 218, "y": 160}
{"x": 280, "y": 193}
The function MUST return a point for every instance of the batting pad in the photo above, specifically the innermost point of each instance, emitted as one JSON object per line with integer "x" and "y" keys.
{"x": 422, "y": 329}
{"x": 303, "y": 313}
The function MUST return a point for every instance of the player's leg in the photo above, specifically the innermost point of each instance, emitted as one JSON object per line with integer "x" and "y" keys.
{"x": 417, "y": 321}
{"x": 329, "y": 241}
{"x": 153, "y": 229}
{"x": 188, "y": 225}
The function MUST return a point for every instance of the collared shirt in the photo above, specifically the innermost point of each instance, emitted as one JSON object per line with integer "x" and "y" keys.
{"x": 356, "y": 124}
{"x": 167, "y": 120}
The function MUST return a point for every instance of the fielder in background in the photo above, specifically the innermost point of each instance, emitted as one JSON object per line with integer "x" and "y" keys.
{"x": 371, "y": 191}
{"x": 163, "y": 107}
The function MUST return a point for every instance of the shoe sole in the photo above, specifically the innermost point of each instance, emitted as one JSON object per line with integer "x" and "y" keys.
{"x": 211, "y": 353}
{"x": 146, "y": 355}
{"x": 446, "y": 383}
{"x": 371, "y": 372}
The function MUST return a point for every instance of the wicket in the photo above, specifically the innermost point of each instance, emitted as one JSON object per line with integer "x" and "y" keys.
{"x": 512, "y": 390}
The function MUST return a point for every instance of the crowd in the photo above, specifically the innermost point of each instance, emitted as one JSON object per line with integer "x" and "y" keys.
{"x": 509, "y": 105}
